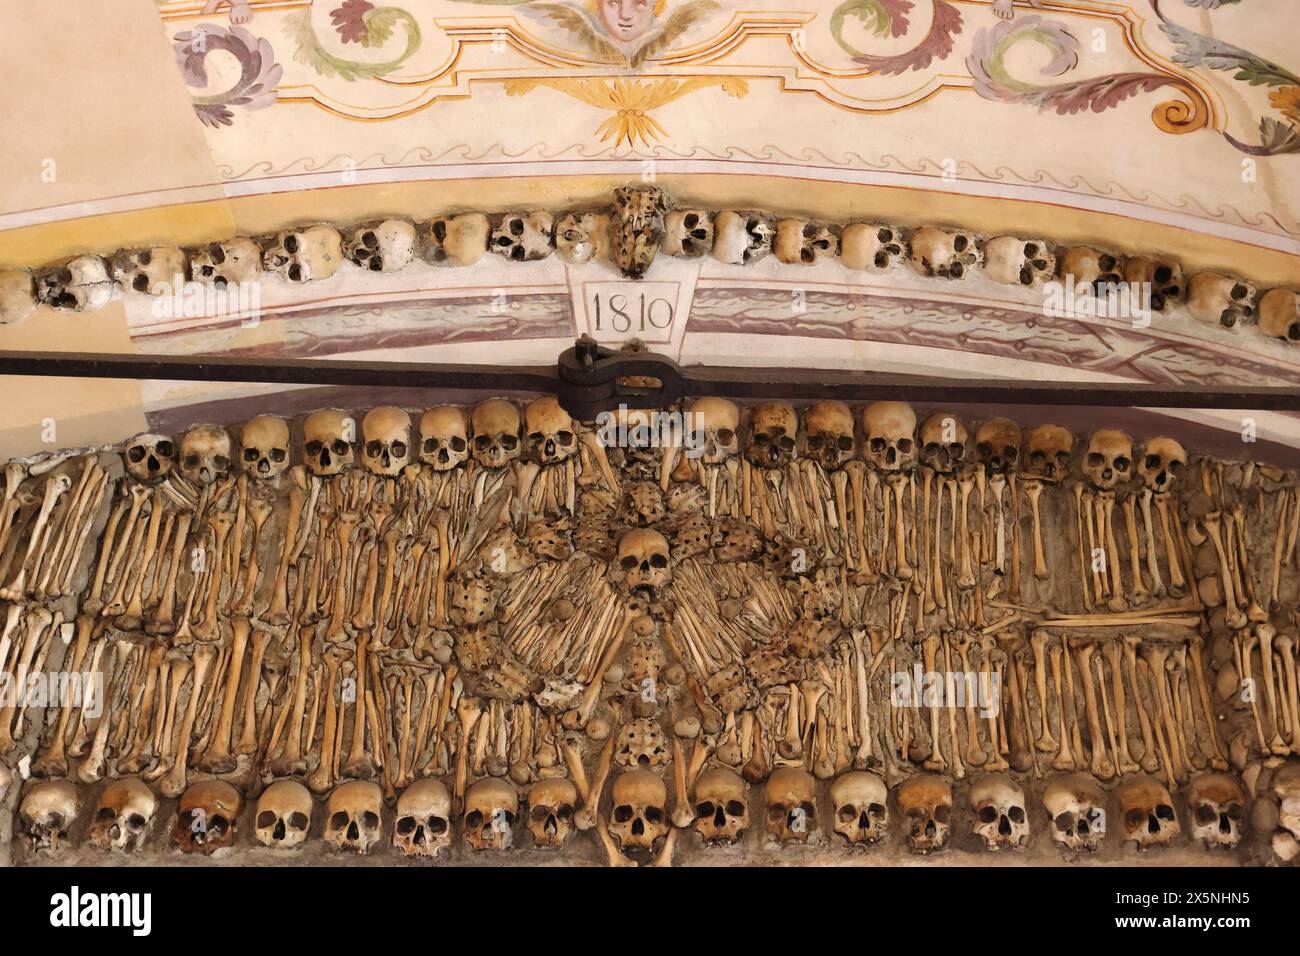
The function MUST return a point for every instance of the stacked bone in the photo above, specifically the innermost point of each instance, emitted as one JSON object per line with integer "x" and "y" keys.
{"x": 640, "y": 224}
{"x": 447, "y": 614}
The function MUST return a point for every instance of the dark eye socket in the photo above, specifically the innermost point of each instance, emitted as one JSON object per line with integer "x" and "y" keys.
{"x": 905, "y": 446}
{"x": 279, "y": 454}
{"x": 457, "y": 443}
{"x": 106, "y": 813}
{"x": 1122, "y": 463}
{"x": 437, "y": 826}
{"x": 481, "y": 442}
{"x": 339, "y": 447}
{"x": 1096, "y": 460}
{"x": 339, "y": 820}
{"x": 623, "y": 813}
{"x": 374, "y": 448}
{"x": 430, "y": 444}
{"x": 564, "y": 437}
{"x": 704, "y": 810}
{"x": 1205, "y": 814}
{"x": 1017, "y": 814}
{"x": 135, "y": 453}
{"x": 658, "y": 560}
{"x": 535, "y": 439}
{"x": 629, "y": 562}
{"x": 191, "y": 461}
{"x": 735, "y": 808}
{"x": 726, "y": 436}
{"x": 1165, "y": 812}
{"x": 313, "y": 448}
{"x": 1153, "y": 462}
{"x": 405, "y": 826}
{"x": 987, "y": 814}
{"x": 221, "y": 461}
{"x": 509, "y": 442}
{"x": 785, "y": 442}
{"x": 845, "y": 443}
{"x": 165, "y": 449}
{"x": 266, "y": 819}
{"x": 399, "y": 449}
{"x": 250, "y": 454}
{"x": 761, "y": 438}
{"x": 1064, "y": 821}
{"x": 654, "y": 814}
{"x": 297, "y": 820}
{"x": 370, "y": 819}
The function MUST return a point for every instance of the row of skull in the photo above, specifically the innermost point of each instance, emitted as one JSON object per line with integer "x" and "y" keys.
{"x": 1076, "y": 808}
{"x": 640, "y": 224}
{"x": 495, "y": 433}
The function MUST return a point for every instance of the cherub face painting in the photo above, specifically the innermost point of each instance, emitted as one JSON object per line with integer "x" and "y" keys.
{"x": 626, "y": 20}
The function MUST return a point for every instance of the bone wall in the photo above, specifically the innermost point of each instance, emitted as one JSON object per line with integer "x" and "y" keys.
{"x": 834, "y": 634}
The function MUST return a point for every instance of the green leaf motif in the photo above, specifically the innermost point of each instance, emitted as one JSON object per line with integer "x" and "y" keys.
{"x": 380, "y": 24}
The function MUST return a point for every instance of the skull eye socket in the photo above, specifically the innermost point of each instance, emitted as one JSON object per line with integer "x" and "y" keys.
{"x": 727, "y": 436}
{"x": 704, "y": 811}
{"x": 623, "y": 813}
{"x": 564, "y": 437}
{"x": 191, "y": 461}
{"x": 814, "y": 442}
{"x": 164, "y": 449}
{"x": 1017, "y": 814}
{"x": 457, "y": 443}
{"x": 339, "y": 447}
{"x": 987, "y": 814}
{"x": 437, "y": 825}
{"x": 370, "y": 820}
{"x": 313, "y": 448}
{"x": 735, "y": 808}
{"x": 297, "y": 820}
{"x": 509, "y": 442}
{"x": 876, "y": 810}
{"x": 1010, "y": 452}
{"x": 278, "y": 454}
{"x": 290, "y": 244}
{"x": 1122, "y": 463}
{"x": 1205, "y": 814}
{"x": 1165, "y": 812}
{"x": 1064, "y": 822}
{"x": 536, "y": 438}
{"x": 481, "y": 442}
{"x": 135, "y": 453}
{"x": 629, "y": 562}
{"x": 1239, "y": 291}
{"x": 941, "y": 812}
{"x": 405, "y": 826}
{"x": 905, "y": 446}
{"x": 654, "y": 814}
{"x": 1096, "y": 459}
{"x": 106, "y": 814}
{"x": 658, "y": 560}
{"x": 218, "y": 824}
{"x": 374, "y": 449}
{"x": 339, "y": 820}
{"x": 776, "y": 813}
{"x": 1135, "y": 817}
{"x": 847, "y": 813}
{"x": 399, "y": 449}
{"x": 221, "y": 462}
{"x": 430, "y": 445}
{"x": 136, "y": 822}
{"x": 785, "y": 443}
{"x": 1153, "y": 462}
{"x": 251, "y": 454}
{"x": 539, "y": 814}
{"x": 266, "y": 819}
{"x": 761, "y": 438}
{"x": 564, "y": 811}
{"x": 845, "y": 443}
{"x": 474, "y": 819}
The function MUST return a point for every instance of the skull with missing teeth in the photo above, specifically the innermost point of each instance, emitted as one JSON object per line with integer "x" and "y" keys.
{"x": 1108, "y": 461}
{"x": 926, "y": 801}
{"x": 951, "y": 255}
{"x": 386, "y": 440}
{"x": 773, "y": 431}
{"x": 1000, "y": 817}
{"x": 305, "y": 255}
{"x": 1146, "y": 811}
{"x": 157, "y": 271}
{"x": 496, "y": 427}
{"x": 1217, "y": 806}
{"x": 206, "y": 816}
{"x": 523, "y": 237}
{"x": 444, "y": 437}
{"x": 353, "y": 816}
{"x": 688, "y": 233}
{"x": 638, "y": 817}
{"x": 799, "y": 242}
{"x": 423, "y": 825}
{"x": 205, "y": 453}
{"x": 47, "y": 813}
{"x": 828, "y": 434}
{"x": 1077, "y": 808}
{"x": 1163, "y": 462}
{"x": 997, "y": 442}
{"x": 149, "y": 457}
{"x": 551, "y": 805}
{"x": 1220, "y": 300}
{"x": 740, "y": 238}
{"x": 790, "y": 799}
{"x": 491, "y": 805}
{"x": 943, "y": 443}
{"x": 551, "y": 435}
{"x": 126, "y": 811}
{"x": 1013, "y": 261}
{"x": 264, "y": 447}
{"x": 80, "y": 285}
{"x": 644, "y": 562}
{"x": 716, "y": 424}
{"x": 890, "y": 430}
{"x": 861, "y": 805}
{"x": 327, "y": 438}
{"x": 222, "y": 264}
{"x": 283, "y": 815}
{"x": 721, "y": 811}
{"x": 1048, "y": 453}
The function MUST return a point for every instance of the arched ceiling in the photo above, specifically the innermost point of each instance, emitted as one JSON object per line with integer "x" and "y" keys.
{"x": 1152, "y": 127}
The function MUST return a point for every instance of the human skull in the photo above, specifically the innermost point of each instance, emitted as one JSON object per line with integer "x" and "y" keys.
{"x": 740, "y": 238}
{"x": 1013, "y": 261}
{"x": 799, "y": 242}
{"x": 1163, "y": 461}
{"x": 1109, "y": 459}
{"x": 997, "y": 442}
{"x": 157, "y": 271}
{"x": 523, "y": 237}
{"x": 264, "y": 447}
{"x": 1147, "y": 811}
{"x": 222, "y": 264}
{"x": 773, "y": 432}
{"x": 790, "y": 802}
{"x": 444, "y": 437}
{"x": 952, "y": 255}
{"x": 721, "y": 811}
{"x": 1085, "y": 266}
{"x": 638, "y": 227}
{"x": 423, "y": 825}
{"x": 149, "y": 457}
{"x": 1279, "y": 314}
{"x": 455, "y": 240}
{"x": 638, "y": 816}
{"x": 716, "y": 429}
{"x": 890, "y": 429}
{"x": 327, "y": 438}
{"x": 205, "y": 453}
{"x": 865, "y": 246}
{"x": 1286, "y": 788}
{"x": 386, "y": 440}
{"x": 126, "y": 810}
{"x": 926, "y": 801}
{"x": 491, "y": 805}
{"x": 551, "y": 805}
{"x": 583, "y": 236}
{"x": 644, "y": 562}
{"x": 283, "y": 815}
{"x": 304, "y": 255}
{"x": 688, "y": 233}
{"x": 861, "y": 805}
{"x": 80, "y": 285}
{"x": 1163, "y": 276}
{"x": 1048, "y": 453}
{"x": 385, "y": 246}
{"x": 549, "y": 431}
{"x": 1000, "y": 817}
{"x": 206, "y": 817}
{"x": 496, "y": 426}
{"x": 17, "y": 295}
{"x": 828, "y": 434}
{"x": 1220, "y": 300}
{"x": 1077, "y": 807}
{"x": 354, "y": 815}
{"x": 943, "y": 443}
{"x": 1217, "y": 805}
{"x": 47, "y": 813}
